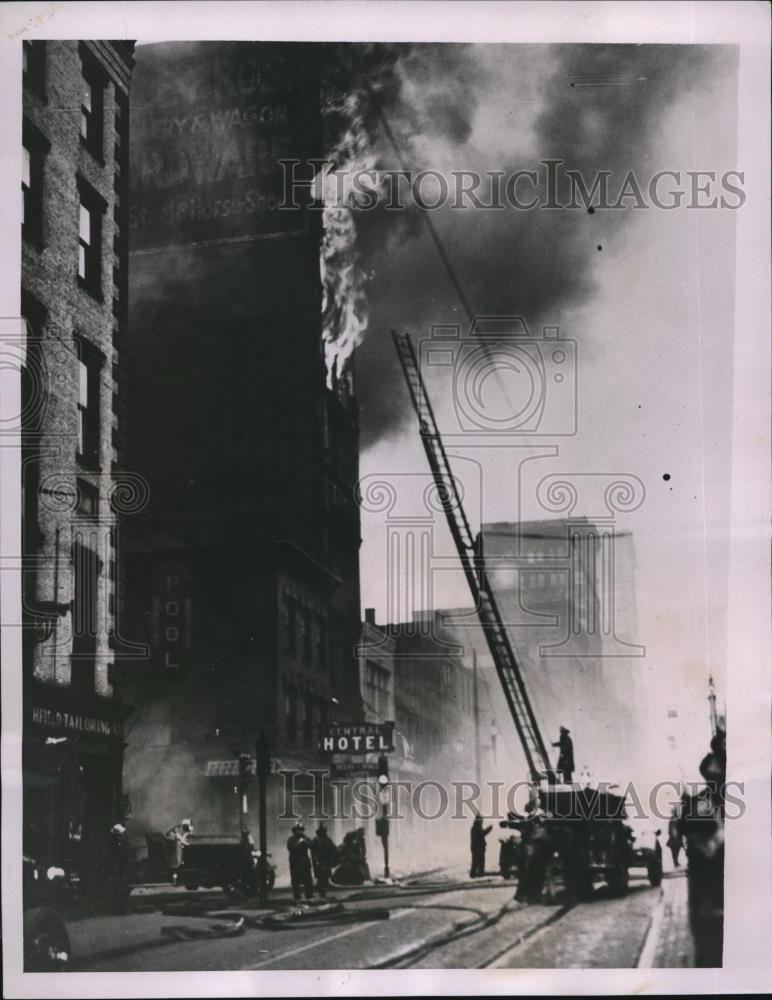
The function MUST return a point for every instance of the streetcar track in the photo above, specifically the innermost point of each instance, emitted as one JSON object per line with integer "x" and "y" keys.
{"x": 526, "y": 935}
{"x": 416, "y": 954}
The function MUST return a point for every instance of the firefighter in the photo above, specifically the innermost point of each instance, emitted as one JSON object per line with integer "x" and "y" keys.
{"x": 118, "y": 880}
{"x": 477, "y": 843}
{"x": 537, "y": 853}
{"x": 675, "y": 840}
{"x": 702, "y": 825}
{"x": 298, "y": 848}
{"x": 324, "y": 854}
{"x": 566, "y": 755}
{"x": 179, "y": 837}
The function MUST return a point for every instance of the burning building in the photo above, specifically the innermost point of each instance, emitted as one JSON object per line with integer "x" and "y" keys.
{"x": 74, "y": 483}
{"x": 244, "y": 570}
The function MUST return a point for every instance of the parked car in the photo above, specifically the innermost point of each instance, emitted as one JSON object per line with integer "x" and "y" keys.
{"x": 229, "y": 861}
{"x": 46, "y": 941}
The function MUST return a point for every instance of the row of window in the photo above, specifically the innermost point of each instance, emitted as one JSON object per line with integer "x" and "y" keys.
{"x": 91, "y": 209}
{"x": 306, "y": 634}
{"x": 89, "y": 365}
{"x": 91, "y": 206}
{"x": 536, "y": 580}
{"x": 86, "y": 621}
{"x": 304, "y": 712}
{"x": 377, "y": 690}
{"x": 92, "y": 93}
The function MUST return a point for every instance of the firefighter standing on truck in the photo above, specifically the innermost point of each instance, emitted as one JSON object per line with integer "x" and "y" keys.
{"x": 566, "y": 755}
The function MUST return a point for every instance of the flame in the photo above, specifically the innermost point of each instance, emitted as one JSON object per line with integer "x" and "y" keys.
{"x": 344, "y": 296}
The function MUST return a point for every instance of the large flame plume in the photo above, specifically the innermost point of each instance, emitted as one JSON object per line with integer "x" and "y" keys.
{"x": 344, "y": 296}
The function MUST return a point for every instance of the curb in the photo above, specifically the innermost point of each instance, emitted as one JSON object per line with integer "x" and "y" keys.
{"x": 651, "y": 938}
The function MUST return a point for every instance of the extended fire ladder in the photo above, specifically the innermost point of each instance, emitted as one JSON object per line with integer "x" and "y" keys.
{"x": 507, "y": 666}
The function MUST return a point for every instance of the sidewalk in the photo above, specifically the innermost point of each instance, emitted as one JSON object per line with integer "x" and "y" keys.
{"x": 669, "y": 941}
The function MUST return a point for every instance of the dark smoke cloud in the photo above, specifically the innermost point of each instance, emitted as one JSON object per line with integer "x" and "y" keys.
{"x": 594, "y": 107}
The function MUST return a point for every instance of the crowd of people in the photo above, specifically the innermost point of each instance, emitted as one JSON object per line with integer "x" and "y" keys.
{"x": 318, "y": 857}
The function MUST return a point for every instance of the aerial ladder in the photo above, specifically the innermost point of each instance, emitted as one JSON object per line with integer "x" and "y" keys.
{"x": 473, "y": 564}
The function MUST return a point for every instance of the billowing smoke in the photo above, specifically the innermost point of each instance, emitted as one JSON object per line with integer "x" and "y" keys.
{"x": 491, "y": 108}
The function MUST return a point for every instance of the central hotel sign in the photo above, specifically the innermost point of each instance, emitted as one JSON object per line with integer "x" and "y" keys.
{"x": 357, "y": 738}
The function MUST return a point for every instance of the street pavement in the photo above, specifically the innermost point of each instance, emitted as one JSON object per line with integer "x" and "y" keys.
{"x": 670, "y": 944}
{"x": 440, "y": 920}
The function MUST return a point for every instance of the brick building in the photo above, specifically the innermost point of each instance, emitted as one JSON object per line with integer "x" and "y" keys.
{"x": 434, "y": 698}
{"x": 73, "y": 300}
{"x": 244, "y": 580}
{"x": 412, "y": 673}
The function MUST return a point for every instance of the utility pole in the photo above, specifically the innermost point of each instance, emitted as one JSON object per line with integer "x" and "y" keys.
{"x": 476, "y": 709}
{"x": 245, "y": 771}
{"x": 263, "y": 761}
{"x": 712, "y": 703}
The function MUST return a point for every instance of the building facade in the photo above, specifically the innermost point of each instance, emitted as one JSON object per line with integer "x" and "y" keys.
{"x": 245, "y": 576}
{"x": 75, "y": 485}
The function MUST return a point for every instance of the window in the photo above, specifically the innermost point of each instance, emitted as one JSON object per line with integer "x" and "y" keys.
{"x": 33, "y": 56}
{"x": 291, "y": 624}
{"x": 377, "y": 684}
{"x": 92, "y": 109}
{"x": 86, "y": 568}
{"x": 322, "y": 645}
{"x": 307, "y": 636}
{"x": 308, "y": 720}
{"x": 91, "y": 209}
{"x": 34, "y": 149}
{"x": 290, "y": 712}
{"x": 89, "y": 383}
{"x": 88, "y": 499}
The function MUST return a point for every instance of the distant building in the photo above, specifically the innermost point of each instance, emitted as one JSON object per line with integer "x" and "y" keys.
{"x": 566, "y": 594}
{"x": 74, "y": 280}
{"x": 416, "y": 672}
{"x": 376, "y": 671}
{"x": 245, "y": 574}
{"x": 434, "y": 698}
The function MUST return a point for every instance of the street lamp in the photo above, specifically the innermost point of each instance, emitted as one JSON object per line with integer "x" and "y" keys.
{"x": 382, "y": 823}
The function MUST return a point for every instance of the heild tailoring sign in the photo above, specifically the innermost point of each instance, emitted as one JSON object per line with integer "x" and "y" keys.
{"x": 357, "y": 737}
{"x": 75, "y": 723}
